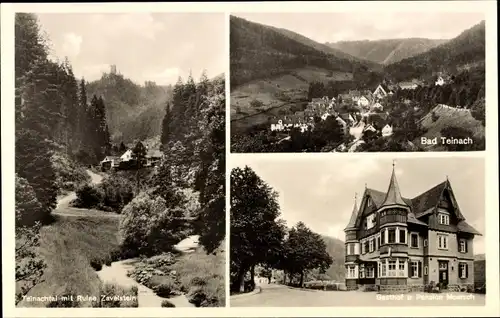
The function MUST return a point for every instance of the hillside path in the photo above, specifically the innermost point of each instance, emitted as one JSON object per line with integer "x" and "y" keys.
{"x": 275, "y": 295}
{"x": 64, "y": 201}
{"x": 117, "y": 274}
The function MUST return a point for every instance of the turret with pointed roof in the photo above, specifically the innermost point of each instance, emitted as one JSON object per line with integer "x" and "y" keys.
{"x": 354, "y": 215}
{"x": 393, "y": 195}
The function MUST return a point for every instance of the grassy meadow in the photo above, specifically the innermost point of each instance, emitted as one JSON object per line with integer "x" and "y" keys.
{"x": 67, "y": 246}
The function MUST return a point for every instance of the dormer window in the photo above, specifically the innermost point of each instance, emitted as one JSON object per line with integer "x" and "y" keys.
{"x": 444, "y": 218}
{"x": 370, "y": 221}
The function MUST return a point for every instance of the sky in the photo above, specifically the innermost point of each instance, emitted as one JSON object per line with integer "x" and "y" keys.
{"x": 353, "y": 26}
{"x": 143, "y": 46}
{"x": 321, "y": 191}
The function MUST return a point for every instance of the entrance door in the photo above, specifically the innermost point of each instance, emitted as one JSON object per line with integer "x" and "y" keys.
{"x": 443, "y": 273}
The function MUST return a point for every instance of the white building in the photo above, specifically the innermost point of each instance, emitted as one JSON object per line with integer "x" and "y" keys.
{"x": 127, "y": 155}
{"x": 440, "y": 81}
{"x": 387, "y": 130}
{"x": 363, "y": 101}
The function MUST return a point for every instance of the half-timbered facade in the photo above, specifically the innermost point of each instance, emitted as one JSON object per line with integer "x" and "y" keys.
{"x": 395, "y": 244}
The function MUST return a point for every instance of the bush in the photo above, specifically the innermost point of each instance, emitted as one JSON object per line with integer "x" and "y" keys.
{"x": 256, "y": 103}
{"x": 166, "y": 303}
{"x": 249, "y": 286}
{"x": 96, "y": 264}
{"x": 165, "y": 290}
{"x": 118, "y": 192}
{"x": 150, "y": 227}
{"x": 69, "y": 174}
{"x": 89, "y": 196}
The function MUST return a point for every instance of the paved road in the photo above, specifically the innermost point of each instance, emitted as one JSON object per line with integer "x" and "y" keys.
{"x": 273, "y": 295}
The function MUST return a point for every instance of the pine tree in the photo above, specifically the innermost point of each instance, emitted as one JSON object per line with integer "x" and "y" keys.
{"x": 165, "y": 126}
{"x": 33, "y": 163}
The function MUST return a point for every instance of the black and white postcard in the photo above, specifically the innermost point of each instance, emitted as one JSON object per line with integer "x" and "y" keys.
{"x": 357, "y": 232}
{"x": 119, "y": 149}
{"x": 357, "y": 82}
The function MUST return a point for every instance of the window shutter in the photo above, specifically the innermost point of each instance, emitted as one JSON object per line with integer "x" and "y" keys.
{"x": 466, "y": 246}
{"x": 419, "y": 269}
{"x": 466, "y": 270}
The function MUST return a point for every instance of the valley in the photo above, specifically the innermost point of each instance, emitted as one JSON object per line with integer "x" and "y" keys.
{"x": 420, "y": 78}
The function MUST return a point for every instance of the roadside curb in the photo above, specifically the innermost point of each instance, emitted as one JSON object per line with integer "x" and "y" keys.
{"x": 257, "y": 290}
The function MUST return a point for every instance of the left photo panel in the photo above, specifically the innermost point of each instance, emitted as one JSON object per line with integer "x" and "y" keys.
{"x": 120, "y": 159}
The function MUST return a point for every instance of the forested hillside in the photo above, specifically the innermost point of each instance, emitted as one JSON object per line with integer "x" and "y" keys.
{"x": 134, "y": 112}
{"x": 466, "y": 50}
{"x": 386, "y": 51}
{"x": 259, "y": 51}
{"x": 62, "y": 126}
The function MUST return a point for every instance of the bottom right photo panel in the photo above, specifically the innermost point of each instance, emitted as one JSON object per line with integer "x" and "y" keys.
{"x": 357, "y": 231}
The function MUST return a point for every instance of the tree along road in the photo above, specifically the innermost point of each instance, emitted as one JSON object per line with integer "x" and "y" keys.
{"x": 274, "y": 295}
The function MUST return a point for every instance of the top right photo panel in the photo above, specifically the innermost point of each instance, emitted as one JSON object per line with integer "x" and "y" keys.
{"x": 357, "y": 82}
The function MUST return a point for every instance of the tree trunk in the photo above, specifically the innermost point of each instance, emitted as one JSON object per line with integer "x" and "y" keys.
{"x": 252, "y": 274}
{"x": 302, "y": 279}
{"x": 241, "y": 280}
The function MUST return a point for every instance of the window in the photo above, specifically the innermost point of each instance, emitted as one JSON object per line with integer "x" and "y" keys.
{"x": 351, "y": 271}
{"x": 351, "y": 249}
{"x": 370, "y": 221}
{"x": 463, "y": 246}
{"x": 443, "y": 265}
{"x": 401, "y": 268}
{"x": 379, "y": 241}
{"x": 371, "y": 245}
{"x": 366, "y": 246}
{"x": 426, "y": 270}
{"x": 463, "y": 270}
{"x": 443, "y": 242}
{"x": 425, "y": 242}
{"x": 391, "y": 268}
{"x": 444, "y": 218}
{"x": 363, "y": 250}
{"x": 414, "y": 269}
{"x": 383, "y": 272}
{"x": 402, "y": 236}
{"x": 370, "y": 272}
{"x": 362, "y": 271}
{"x": 392, "y": 236}
{"x": 383, "y": 240}
{"x": 414, "y": 240}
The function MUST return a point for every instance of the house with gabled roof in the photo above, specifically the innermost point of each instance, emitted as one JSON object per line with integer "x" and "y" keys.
{"x": 396, "y": 244}
{"x": 382, "y": 91}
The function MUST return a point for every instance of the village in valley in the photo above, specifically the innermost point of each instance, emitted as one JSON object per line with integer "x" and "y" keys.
{"x": 430, "y": 97}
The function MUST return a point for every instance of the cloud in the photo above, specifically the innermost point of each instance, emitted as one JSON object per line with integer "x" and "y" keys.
{"x": 71, "y": 45}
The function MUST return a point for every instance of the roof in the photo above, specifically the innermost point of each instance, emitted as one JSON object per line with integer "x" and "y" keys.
{"x": 111, "y": 158}
{"x": 154, "y": 153}
{"x": 393, "y": 195}
{"x": 463, "y": 226}
{"x": 354, "y": 216}
{"x": 426, "y": 202}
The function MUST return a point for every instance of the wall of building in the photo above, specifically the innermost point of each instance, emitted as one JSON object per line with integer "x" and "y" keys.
{"x": 470, "y": 249}
{"x": 419, "y": 251}
{"x": 452, "y": 250}
{"x": 418, "y": 281}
